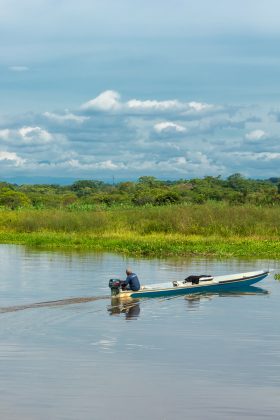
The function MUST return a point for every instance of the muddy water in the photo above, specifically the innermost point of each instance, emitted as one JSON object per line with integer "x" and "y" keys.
{"x": 68, "y": 352}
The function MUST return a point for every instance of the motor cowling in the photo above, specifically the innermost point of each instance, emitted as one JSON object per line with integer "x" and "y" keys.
{"x": 115, "y": 286}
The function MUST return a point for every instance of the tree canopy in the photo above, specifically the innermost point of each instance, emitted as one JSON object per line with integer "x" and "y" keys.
{"x": 147, "y": 190}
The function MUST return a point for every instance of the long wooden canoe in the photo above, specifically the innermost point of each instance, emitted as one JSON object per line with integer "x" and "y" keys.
{"x": 206, "y": 284}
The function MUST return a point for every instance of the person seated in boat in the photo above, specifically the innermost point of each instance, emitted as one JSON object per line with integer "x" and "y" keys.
{"x": 131, "y": 282}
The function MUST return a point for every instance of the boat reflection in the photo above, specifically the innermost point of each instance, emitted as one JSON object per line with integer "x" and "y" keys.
{"x": 131, "y": 308}
{"x": 195, "y": 298}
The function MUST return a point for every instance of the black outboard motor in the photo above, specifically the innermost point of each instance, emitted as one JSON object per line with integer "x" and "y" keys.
{"x": 115, "y": 286}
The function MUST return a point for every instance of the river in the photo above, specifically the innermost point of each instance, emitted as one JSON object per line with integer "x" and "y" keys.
{"x": 68, "y": 352}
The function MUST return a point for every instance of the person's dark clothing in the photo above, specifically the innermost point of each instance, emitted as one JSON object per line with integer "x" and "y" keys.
{"x": 133, "y": 282}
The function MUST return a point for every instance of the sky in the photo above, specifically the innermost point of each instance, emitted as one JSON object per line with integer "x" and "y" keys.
{"x": 121, "y": 89}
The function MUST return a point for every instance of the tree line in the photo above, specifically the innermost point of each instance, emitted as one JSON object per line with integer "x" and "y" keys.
{"x": 146, "y": 191}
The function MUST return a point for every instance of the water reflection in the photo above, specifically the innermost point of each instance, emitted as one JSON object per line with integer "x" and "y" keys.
{"x": 131, "y": 308}
{"x": 194, "y": 299}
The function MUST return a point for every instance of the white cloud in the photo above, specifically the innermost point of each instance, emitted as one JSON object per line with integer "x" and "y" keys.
{"x": 259, "y": 156}
{"x": 153, "y": 105}
{"x": 191, "y": 164}
{"x": 129, "y": 142}
{"x": 199, "y": 106}
{"x": 18, "y": 68}
{"x": 35, "y": 135}
{"x": 11, "y": 157}
{"x": 111, "y": 100}
{"x": 256, "y": 135}
{"x": 268, "y": 156}
{"x": 169, "y": 127}
{"x": 27, "y": 136}
{"x": 80, "y": 164}
{"x": 108, "y": 164}
{"x": 168, "y": 105}
{"x": 61, "y": 118}
{"x": 106, "y": 101}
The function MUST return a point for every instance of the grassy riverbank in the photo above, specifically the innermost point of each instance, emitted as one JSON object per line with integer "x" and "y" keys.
{"x": 210, "y": 229}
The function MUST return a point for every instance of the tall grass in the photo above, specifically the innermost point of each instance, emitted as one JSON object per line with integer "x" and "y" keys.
{"x": 206, "y": 220}
{"x": 212, "y": 229}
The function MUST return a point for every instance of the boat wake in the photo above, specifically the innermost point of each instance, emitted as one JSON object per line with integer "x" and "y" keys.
{"x": 52, "y": 303}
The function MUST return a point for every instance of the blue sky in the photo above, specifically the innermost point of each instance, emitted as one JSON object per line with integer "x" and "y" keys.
{"x": 119, "y": 88}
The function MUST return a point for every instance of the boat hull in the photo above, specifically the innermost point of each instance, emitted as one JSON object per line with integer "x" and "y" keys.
{"x": 210, "y": 286}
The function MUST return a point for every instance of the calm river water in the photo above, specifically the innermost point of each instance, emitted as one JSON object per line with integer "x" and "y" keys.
{"x": 209, "y": 357}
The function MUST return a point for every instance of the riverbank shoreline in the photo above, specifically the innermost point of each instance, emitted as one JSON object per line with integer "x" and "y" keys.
{"x": 154, "y": 245}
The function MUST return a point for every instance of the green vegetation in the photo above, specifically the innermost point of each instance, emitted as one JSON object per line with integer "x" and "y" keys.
{"x": 147, "y": 191}
{"x": 213, "y": 228}
{"x": 209, "y": 216}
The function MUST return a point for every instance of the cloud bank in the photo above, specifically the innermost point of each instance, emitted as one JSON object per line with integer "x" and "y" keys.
{"x": 127, "y": 138}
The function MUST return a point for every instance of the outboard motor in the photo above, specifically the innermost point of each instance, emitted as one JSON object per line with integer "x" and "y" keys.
{"x": 115, "y": 286}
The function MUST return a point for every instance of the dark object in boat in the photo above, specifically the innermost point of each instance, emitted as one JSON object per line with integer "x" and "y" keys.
{"x": 195, "y": 279}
